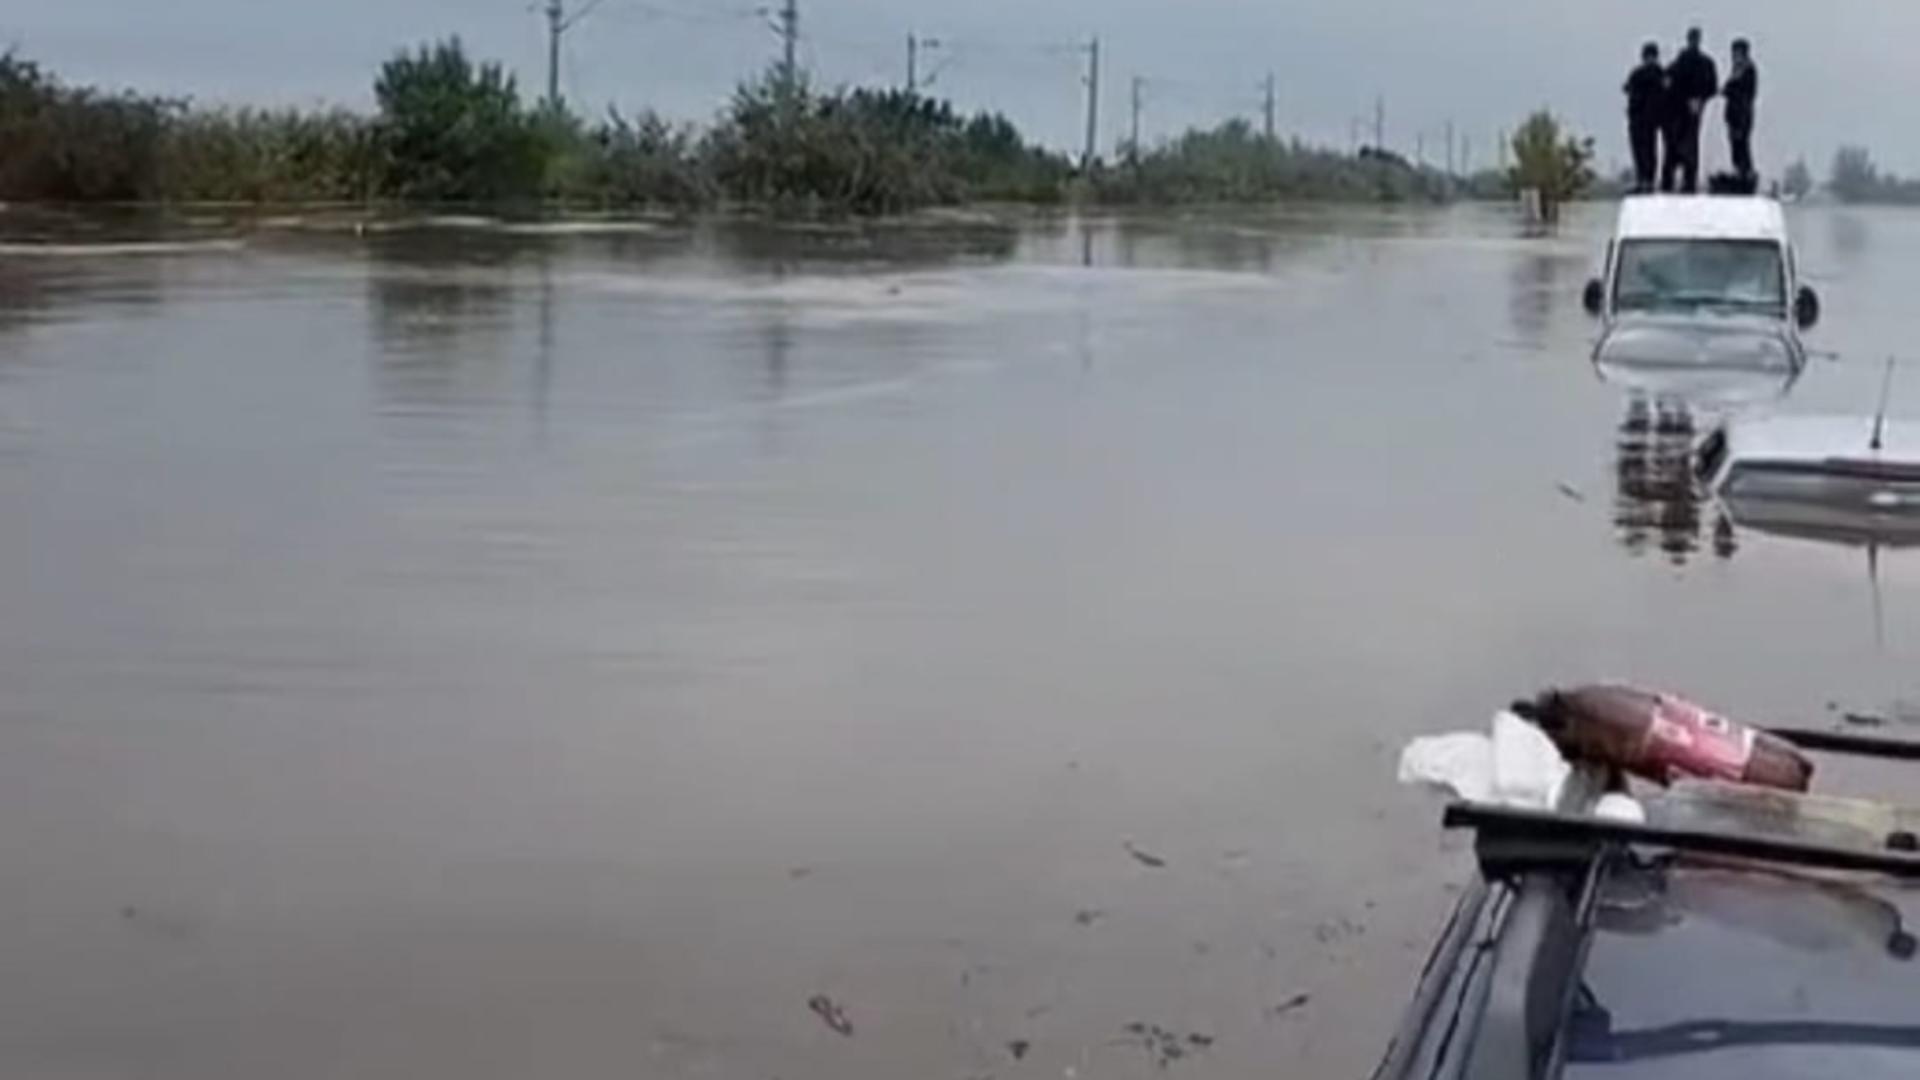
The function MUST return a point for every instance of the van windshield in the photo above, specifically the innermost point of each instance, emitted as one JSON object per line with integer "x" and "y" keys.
{"x": 1687, "y": 275}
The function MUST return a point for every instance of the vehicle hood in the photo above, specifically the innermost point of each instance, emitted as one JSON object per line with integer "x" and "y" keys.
{"x": 1724, "y": 360}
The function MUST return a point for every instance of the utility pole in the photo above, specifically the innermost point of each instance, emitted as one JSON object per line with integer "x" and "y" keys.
{"x": 915, "y": 46}
{"x": 1466, "y": 155}
{"x": 790, "y": 34}
{"x": 1420, "y": 149}
{"x": 1380, "y": 124}
{"x": 1500, "y": 148}
{"x": 1450, "y": 159}
{"x": 1133, "y": 141}
{"x": 1093, "y": 105}
{"x": 556, "y": 25}
{"x": 1272, "y": 95}
{"x": 1353, "y": 136}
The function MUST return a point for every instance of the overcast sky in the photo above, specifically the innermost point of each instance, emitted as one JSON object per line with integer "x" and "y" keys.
{"x": 1835, "y": 72}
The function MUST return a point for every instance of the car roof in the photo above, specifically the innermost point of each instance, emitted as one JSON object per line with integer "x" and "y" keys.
{"x": 1701, "y": 217}
{"x": 1808, "y": 439}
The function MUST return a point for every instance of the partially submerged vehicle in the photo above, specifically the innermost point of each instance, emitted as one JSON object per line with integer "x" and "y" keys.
{"x": 1739, "y": 932}
{"x": 1700, "y": 297}
{"x": 1845, "y": 468}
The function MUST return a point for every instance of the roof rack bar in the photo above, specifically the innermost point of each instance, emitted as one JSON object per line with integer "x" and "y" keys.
{"x": 1499, "y": 823}
{"x": 1835, "y": 742}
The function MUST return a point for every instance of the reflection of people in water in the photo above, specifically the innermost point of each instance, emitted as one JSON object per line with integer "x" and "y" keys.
{"x": 1660, "y": 497}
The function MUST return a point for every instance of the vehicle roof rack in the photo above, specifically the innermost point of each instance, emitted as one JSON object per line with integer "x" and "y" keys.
{"x": 1509, "y": 841}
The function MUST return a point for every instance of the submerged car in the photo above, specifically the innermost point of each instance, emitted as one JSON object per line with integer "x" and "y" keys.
{"x": 1699, "y": 297}
{"x": 1739, "y": 933}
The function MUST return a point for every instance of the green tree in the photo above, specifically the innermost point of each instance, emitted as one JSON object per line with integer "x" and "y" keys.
{"x": 1559, "y": 166}
{"x": 451, "y": 130}
{"x": 75, "y": 143}
{"x": 644, "y": 161}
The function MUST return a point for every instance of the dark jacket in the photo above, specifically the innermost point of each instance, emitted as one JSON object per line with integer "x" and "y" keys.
{"x": 1742, "y": 90}
{"x": 1692, "y": 77}
{"x": 1646, "y": 91}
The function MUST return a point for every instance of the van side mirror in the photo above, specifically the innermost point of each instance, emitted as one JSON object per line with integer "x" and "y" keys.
{"x": 1594, "y": 297}
{"x": 1806, "y": 308}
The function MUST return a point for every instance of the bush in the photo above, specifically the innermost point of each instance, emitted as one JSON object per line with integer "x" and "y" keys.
{"x": 867, "y": 152}
{"x": 1234, "y": 163}
{"x": 451, "y": 131}
{"x": 250, "y": 155}
{"x": 643, "y": 161}
{"x": 799, "y": 152}
{"x": 65, "y": 143}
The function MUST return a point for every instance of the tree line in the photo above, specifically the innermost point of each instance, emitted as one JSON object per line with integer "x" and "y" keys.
{"x": 449, "y": 129}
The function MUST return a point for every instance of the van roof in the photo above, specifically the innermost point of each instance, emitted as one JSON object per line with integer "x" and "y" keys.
{"x": 1701, "y": 217}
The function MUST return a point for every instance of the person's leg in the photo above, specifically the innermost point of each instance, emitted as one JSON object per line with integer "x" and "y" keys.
{"x": 1642, "y": 164}
{"x": 1669, "y": 168}
{"x": 1690, "y": 155}
{"x": 1741, "y": 138}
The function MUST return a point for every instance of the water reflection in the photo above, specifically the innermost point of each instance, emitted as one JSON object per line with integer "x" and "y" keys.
{"x": 1533, "y": 293}
{"x": 441, "y": 310}
{"x": 1839, "y": 519}
{"x": 757, "y": 248}
{"x": 1660, "y": 502}
{"x": 1848, "y": 235}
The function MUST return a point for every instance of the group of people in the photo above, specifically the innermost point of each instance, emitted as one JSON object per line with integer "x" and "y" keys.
{"x": 1666, "y": 108}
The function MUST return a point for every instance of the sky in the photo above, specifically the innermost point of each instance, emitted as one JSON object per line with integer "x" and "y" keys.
{"x": 1831, "y": 74}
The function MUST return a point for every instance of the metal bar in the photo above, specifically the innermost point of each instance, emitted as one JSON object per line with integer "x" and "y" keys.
{"x": 1836, "y": 742}
{"x": 1533, "y": 826}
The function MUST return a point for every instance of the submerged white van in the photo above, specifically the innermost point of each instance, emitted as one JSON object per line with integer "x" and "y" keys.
{"x": 1695, "y": 286}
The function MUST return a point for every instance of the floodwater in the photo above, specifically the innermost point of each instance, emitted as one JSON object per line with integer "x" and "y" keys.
{"x": 480, "y": 653}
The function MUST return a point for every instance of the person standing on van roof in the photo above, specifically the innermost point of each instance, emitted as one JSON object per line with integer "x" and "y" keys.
{"x": 1692, "y": 81}
{"x": 1742, "y": 90}
{"x": 1646, "y": 91}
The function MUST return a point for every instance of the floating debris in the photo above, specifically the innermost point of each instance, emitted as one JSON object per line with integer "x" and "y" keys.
{"x": 1571, "y": 492}
{"x": 1145, "y": 858}
{"x": 1088, "y": 916}
{"x": 1333, "y": 930}
{"x": 1018, "y": 1048}
{"x": 798, "y": 872}
{"x": 1864, "y": 719}
{"x": 1297, "y": 1001}
{"x": 831, "y": 1014}
{"x": 1164, "y": 1045}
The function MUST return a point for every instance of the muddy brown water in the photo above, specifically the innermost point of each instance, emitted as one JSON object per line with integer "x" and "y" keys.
{"x": 460, "y": 653}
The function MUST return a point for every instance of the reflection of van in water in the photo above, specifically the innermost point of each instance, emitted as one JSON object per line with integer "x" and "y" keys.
{"x": 1698, "y": 288}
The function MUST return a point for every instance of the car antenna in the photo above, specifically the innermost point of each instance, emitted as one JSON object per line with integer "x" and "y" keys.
{"x": 1880, "y": 419}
